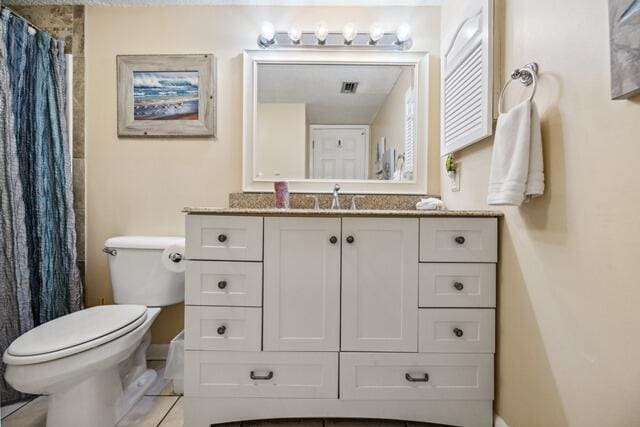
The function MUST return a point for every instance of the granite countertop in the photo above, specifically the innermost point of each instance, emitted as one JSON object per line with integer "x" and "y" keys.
{"x": 339, "y": 212}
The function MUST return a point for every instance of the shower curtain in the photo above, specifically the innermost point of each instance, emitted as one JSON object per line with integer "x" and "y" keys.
{"x": 39, "y": 277}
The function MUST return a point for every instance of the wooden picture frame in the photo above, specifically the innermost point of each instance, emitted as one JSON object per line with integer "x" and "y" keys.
{"x": 166, "y": 95}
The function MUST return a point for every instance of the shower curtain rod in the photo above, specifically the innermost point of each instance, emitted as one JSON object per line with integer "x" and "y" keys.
{"x": 31, "y": 24}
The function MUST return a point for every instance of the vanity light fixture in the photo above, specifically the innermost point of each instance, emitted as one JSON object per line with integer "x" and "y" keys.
{"x": 403, "y": 33}
{"x": 375, "y": 33}
{"x": 321, "y": 37}
{"x": 321, "y": 33}
{"x": 295, "y": 34}
{"x": 349, "y": 32}
{"x": 267, "y": 35}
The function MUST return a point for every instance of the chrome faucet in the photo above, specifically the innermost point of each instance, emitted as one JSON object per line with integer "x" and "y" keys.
{"x": 335, "y": 202}
{"x": 353, "y": 202}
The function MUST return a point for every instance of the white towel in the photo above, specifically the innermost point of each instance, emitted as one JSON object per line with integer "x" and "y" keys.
{"x": 430, "y": 204}
{"x": 517, "y": 170}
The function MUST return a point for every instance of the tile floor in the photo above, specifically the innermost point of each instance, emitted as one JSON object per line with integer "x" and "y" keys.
{"x": 162, "y": 408}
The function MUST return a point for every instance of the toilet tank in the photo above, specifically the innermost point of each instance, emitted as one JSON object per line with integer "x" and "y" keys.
{"x": 138, "y": 275}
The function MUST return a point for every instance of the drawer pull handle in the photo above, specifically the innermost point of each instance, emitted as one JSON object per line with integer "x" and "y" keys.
{"x": 350, "y": 239}
{"x": 413, "y": 379}
{"x": 222, "y": 329}
{"x": 333, "y": 239}
{"x": 253, "y": 376}
{"x": 458, "y": 332}
{"x": 460, "y": 240}
{"x": 222, "y": 238}
{"x": 222, "y": 284}
{"x": 459, "y": 286}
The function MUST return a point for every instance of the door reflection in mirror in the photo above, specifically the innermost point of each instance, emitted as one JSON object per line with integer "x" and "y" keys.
{"x": 335, "y": 121}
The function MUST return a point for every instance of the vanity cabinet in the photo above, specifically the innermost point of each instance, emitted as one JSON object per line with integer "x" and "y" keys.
{"x": 302, "y": 284}
{"x": 340, "y": 315}
{"x": 379, "y": 284}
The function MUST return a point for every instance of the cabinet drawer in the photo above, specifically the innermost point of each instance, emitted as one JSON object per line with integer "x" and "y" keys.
{"x": 457, "y": 285}
{"x": 458, "y": 330}
{"x": 223, "y": 283}
{"x": 458, "y": 239}
{"x": 233, "y": 238}
{"x": 406, "y": 376}
{"x": 223, "y": 328}
{"x": 277, "y": 374}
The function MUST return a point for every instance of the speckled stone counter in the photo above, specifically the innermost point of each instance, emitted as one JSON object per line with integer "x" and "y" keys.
{"x": 339, "y": 212}
{"x": 300, "y": 201}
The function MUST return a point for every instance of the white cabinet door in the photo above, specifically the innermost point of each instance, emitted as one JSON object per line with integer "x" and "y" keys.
{"x": 379, "y": 284}
{"x": 301, "y": 284}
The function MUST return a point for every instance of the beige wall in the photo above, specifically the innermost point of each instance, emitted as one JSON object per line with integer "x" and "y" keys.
{"x": 139, "y": 186}
{"x": 390, "y": 119}
{"x": 281, "y": 147}
{"x": 569, "y": 294}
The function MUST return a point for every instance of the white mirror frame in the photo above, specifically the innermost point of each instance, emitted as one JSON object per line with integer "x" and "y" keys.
{"x": 252, "y": 58}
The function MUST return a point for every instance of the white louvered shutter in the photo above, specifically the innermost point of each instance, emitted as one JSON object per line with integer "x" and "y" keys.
{"x": 409, "y": 134}
{"x": 467, "y": 73}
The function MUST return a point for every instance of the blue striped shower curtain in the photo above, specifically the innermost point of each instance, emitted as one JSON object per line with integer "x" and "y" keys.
{"x": 39, "y": 280}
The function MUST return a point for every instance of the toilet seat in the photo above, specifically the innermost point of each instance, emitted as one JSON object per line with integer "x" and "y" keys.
{"x": 74, "y": 333}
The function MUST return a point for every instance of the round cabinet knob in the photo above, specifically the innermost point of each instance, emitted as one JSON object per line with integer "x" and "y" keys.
{"x": 222, "y": 284}
{"x": 333, "y": 239}
{"x": 350, "y": 239}
{"x": 222, "y": 238}
{"x": 459, "y": 286}
{"x": 458, "y": 332}
{"x": 460, "y": 240}
{"x": 222, "y": 329}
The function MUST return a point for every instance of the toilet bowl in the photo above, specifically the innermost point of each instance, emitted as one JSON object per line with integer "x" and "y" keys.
{"x": 92, "y": 362}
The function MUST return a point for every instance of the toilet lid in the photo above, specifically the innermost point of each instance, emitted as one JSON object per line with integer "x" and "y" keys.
{"x": 79, "y": 330}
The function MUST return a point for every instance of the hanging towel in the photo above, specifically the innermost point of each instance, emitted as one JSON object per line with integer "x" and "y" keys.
{"x": 517, "y": 171}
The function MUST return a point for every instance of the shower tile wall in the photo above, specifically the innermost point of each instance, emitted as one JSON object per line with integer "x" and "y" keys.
{"x": 67, "y": 22}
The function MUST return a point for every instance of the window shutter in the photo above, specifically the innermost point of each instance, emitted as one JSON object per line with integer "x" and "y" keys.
{"x": 409, "y": 134}
{"x": 467, "y": 74}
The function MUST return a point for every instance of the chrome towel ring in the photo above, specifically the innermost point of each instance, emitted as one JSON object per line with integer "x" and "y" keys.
{"x": 527, "y": 75}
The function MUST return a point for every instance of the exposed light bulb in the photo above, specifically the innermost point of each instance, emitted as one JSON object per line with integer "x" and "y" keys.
{"x": 349, "y": 32}
{"x": 375, "y": 33}
{"x": 295, "y": 34}
{"x": 267, "y": 34}
{"x": 403, "y": 33}
{"x": 321, "y": 32}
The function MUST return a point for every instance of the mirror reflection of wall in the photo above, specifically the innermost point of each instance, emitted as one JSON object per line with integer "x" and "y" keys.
{"x": 327, "y": 121}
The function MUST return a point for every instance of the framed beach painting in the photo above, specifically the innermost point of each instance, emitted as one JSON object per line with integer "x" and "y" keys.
{"x": 624, "y": 40}
{"x": 166, "y": 95}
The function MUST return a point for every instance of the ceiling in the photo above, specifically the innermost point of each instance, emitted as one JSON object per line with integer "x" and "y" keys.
{"x": 318, "y": 86}
{"x": 370, "y": 3}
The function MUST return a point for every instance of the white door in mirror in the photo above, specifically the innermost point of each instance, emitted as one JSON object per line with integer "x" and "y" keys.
{"x": 339, "y": 152}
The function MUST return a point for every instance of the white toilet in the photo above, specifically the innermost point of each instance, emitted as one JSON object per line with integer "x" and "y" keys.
{"x": 92, "y": 362}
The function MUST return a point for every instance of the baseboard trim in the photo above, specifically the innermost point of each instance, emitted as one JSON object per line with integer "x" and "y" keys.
{"x": 499, "y": 422}
{"x": 157, "y": 352}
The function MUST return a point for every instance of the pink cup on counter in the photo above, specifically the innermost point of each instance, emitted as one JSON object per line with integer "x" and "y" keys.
{"x": 282, "y": 194}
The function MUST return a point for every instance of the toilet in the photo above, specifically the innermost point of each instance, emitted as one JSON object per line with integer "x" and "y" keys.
{"x": 92, "y": 363}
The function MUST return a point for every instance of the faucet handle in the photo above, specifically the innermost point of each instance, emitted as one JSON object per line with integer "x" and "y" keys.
{"x": 353, "y": 202}
{"x": 335, "y": 201}
{"x": 316, "y": 202}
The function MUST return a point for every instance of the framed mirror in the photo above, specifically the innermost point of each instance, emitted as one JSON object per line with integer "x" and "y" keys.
{"x": 316, "y": 118}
